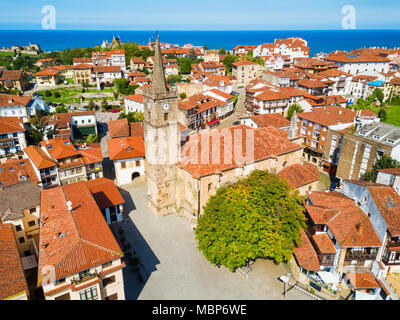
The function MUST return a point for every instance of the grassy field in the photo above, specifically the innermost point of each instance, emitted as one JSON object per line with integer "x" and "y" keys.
{"x": 392, "y": 114}
{"x": 70, "y": 95}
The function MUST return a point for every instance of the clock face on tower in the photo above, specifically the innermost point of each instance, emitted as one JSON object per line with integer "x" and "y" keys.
{"x": 166, "y": 106}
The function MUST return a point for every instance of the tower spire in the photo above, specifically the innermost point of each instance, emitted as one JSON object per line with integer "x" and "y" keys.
{"x": 159, "y": 84}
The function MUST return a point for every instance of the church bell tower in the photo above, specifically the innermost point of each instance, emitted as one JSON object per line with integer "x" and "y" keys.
{"x": 162, "y": 140}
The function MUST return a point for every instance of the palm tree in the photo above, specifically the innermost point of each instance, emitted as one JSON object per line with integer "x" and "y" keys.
{"x": 39, "y": 128}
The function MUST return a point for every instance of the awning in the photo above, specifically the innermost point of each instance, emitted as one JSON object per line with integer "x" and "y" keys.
{"x": 212, "y": 122}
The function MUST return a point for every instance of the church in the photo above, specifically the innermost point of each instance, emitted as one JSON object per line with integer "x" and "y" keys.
{"x": 181, "y": 178}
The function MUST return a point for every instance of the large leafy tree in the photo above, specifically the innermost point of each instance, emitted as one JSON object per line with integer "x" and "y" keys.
{"x": 294, "y": 107}
{"x": 228, "y": 60}
{"x": 384, "y": 162}
{"x": 257, "y": 217}
{"x": 39, "y": 128}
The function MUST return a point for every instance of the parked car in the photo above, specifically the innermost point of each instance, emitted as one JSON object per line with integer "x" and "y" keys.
{"x": 83, "y": 109}
{"x": 72, "y": 107}
{"x": 115, "y": 110}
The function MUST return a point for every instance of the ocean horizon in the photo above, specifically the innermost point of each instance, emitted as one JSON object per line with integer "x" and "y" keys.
{"x": 318, "y": 40}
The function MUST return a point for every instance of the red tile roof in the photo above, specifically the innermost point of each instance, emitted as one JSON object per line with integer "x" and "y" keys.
{"x": 118, "y": 128}
{"x": 76, "y": 240}
{"x": 135, "y": 97}
{"x": 105, "y": 192}
{"x": 12, "y": 170}
{"x": 107, "y": 69}
{"x": 308, "y": 83}
{"x": 271, "y": 119}
{"x": 329, "y": 116}
{"x": 59, "y": 148}
{"x": 324, "y": 243}
{"x": 39, "y": 158}
{"x": 126, "y": 148}
{"x": 305, "y": 254}
{"x": 91, "y": 155}
{"x": 269, "y": 142}
{"x": 13, "y": 75}
{"x": 298, "y": 175}
{"x": 8, "y": 100}
{"x": 362, "y": 280}
{"x": 12, "y": 278}
{"x": 11, "y": 124}
{"x": 243, "y": 63}
{"x": 136, "y": 129}
{"x": 47, "y": 72}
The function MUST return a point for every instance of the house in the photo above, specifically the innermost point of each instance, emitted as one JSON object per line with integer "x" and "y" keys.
{"x": 76, "y": 61}
{"x": 222, "y": 83}
{"x": 303, "y": 177}
{"x": 12, "y": 135}
{"x": 128, "y": 155}
{"x": 314, "y": 87}
{"x": 242, "y": 50}
{"x": 45, "y": 167}
{"x": 118, "y": 128}
{"x": 381, "y": 203}
{"x": 14, "y": 80}
{"x": 104, "y": 74}
{"x": 47, "y": 77}
{"x": 246, "y": 71}
{"x": 73, "y": 125}
{"x": 212, "y": 67}
{"x": 79, "y": 258}
{"x": 313, "y": 66}
{"x": 358, "y": 64}
{"x": 14, "y": 106}
{"x": 277, "y": 79}
{"x": 83, "y": 73}
{"x": 265, "y": 120}
{"x": 92, "y": 158}
{"x": 13, "y": 285}
{"x": 45, "y": 62}
{"x": 20, "y": 207}
{"x": 361, "y": 148}
{"x": 135, "y": 74}
{"x": 14, "y": 171}
{"x": 134, "y": 103}
{"x": 108, "y": 199}
{"x": 211, "y": 55}
{"x": 339, "y": 241}
{"x": 392, "y": 88}
{"x": 137, "y": 63}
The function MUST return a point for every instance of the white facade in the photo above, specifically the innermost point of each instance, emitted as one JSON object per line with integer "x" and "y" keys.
{"x": 128, "y": 169}
{"x": 14, "y": 111}
{"x": 356, "y": 68}
{"x": 133, "y": 106}
{"x": 16, "y": 142}
{"x": 111, "y": 284}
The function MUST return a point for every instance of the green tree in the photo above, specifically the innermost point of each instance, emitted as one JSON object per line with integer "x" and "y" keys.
{"x": 228, "y": 60}
{"x": 172, "y": 78}
{"x": 91, "y": 105}
{"x": 48, "y": 93}
{"x": 378, "y": 93}
{"x": 185, "y": 65}
{"x": 222, "y": 51}
{"x": 257, "y": 217}
{"x": 382, "y": 114}
{"x": 138, "y": 117}
{"x": 384, "y": 162}
{"x": 104, "y": 105}
{"x": 39, "y": 128}
{"x": 61, "y": 109}
{"x": 294, "y": 107}
{"x": 92, "y": 138}
{"x": 182, "y": 95}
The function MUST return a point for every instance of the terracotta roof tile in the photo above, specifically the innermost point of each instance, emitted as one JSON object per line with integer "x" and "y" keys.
{"x": 363, "y": 280}
{"x": 105, "y": 192}
{"x": 7, "y": 100}
{"x": 39, "y": 158}
{"x": 305, "y": 254}
{"x": 324, "y": 243}
{"x": 298, "y": 175}
{"x": 12, "y": 278}
{"x": 11, "y": 124}
{"x": 12, "y": 170}
{"x": 118, "y": 128}
{"x": 125, "y": 148}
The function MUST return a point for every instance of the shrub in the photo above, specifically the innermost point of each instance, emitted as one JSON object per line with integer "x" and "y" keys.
{"x": 47, "y": 93}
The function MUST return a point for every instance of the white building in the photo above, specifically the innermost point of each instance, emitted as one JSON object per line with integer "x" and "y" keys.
{"x": 129, "y": 158}
{"x": 88, "y": 264}
{"x": 360, "y": 64}
{"x": 293, "y": 47}
{"x": 14, "y": 106}
{"x": 134, "y": 103}
{"x": 12, "y": 135}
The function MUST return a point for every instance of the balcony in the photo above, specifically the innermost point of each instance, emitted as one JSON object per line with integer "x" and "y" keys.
{"x": 360, "y": 256}
{"x": 81, "y": 279}
{"x": 48, "y": 174}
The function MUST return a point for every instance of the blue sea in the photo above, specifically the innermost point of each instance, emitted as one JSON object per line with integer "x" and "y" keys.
{"x": 318, "y": 40}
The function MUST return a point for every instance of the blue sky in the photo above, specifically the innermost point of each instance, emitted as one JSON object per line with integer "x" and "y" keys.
{"x": 199, "y": 15}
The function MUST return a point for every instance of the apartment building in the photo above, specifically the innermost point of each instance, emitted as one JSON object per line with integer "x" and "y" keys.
{"x": 47, "y": 77}
{"x": 212, "y": 67}
{"x": 14, "y": 80}
{"x": 82, "y": 73}
{"x": 12, "y": 136}
{"x": 293, "y": 47}
{"x": 134, "y": 103}
{"x": 104, "y": 74}
{"x": 137, "y": 63}
{"x": 359, "y": 64}
{"x": 362, "y": 148}
{"x": 88, "y": 264}
{"x": 222, "y": 83}
{"x": 114, "y": 58}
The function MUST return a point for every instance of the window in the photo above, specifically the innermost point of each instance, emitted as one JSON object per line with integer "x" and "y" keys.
{"x": 209, "y": 187}
{"x": 18, "y": 228}
{"x": 59, "y": 281}
{"x": 31, "y": 223}
{"x": 21, "y": 240}
{"x": 27, "y": 253}
{"x": 137, "y": 163}
{"x": 123, "y": 165}
{"x": 165, "y": 116}
{"x": 89, "y": 294}
{"x": 108, "y": 281}
{"x": 104, "y": 265}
